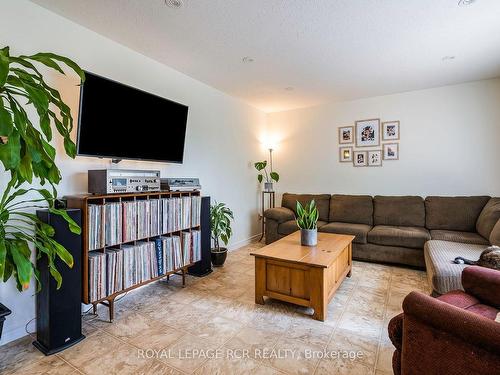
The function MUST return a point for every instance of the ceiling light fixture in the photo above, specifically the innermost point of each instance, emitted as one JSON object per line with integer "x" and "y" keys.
{"x": 247, "y": 59}
{"x": 465, "y": 3}
{"x": 448, "y": 58}
{"x": 176, "y": 4}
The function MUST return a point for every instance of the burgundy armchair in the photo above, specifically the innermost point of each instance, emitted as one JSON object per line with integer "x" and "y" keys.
{"x": 455, "y": 333}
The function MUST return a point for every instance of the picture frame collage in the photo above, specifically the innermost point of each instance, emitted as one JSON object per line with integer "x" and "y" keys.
{"x": 383, "y": 138}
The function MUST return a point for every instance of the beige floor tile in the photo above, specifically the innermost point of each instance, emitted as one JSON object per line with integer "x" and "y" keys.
{"x": 189, "y": 353}
{"x": 216, "y": 329}
{"x": 18, "y": 354}
{"x": 46, "y": 366}
{"x": 342, "y": 367}
{"x": 156, "y": 337}
{"x": 363, "y": 325}
{"x": 293, "y": 356}
{"x": 130, "y": 326}
{"x": 252, "y": 341}
{"x": 309, "y": 331}
{"x": 384, "y": 360}
{"x": 232, "y": 366}
{"x": 343, "y": 341}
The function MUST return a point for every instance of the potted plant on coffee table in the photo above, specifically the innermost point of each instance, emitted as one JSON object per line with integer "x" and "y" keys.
{"x": 307, "y": 219}
{"x": 220, "y": 223}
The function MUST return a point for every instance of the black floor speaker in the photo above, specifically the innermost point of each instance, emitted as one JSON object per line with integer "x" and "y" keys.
{"x": 58, "y": 311}
{"x": 204, "y": 266}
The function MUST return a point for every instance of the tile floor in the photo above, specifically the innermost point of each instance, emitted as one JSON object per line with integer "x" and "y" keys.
{"x": 213, "y": 327}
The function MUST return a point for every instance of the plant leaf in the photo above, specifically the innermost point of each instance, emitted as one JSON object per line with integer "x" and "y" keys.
{"x": 6, "y": 123}
{"x": 4, "y": 65}
{"x": 3, "y": 256}
{"x": 275, "y": 176}
{"x": 73, "y": 227}
{"x": 23, "y": 264}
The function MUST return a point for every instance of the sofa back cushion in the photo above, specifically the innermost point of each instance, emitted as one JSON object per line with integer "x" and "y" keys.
{"x": 400, "y": 211}
{"x": 495, "y": 234}
{"x": 356, "y": 209}
{"x": 453, "y": 213}
{"x": 488, "y": 217}
{"x": 322, "y": 202}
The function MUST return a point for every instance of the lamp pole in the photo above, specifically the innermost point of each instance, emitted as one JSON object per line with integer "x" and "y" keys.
{"x": 271, "y": 158}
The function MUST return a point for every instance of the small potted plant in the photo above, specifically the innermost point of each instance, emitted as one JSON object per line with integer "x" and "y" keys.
{"x": 307, "y": 219}
{"x": 270, "y": 177}
{"x": 220, "y": 223}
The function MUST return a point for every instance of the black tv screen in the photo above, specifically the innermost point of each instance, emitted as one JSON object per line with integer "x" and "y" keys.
{"x": 121, "y": 122}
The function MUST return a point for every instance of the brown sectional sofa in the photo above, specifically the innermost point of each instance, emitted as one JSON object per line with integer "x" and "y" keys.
{"x": 404, "y": 230}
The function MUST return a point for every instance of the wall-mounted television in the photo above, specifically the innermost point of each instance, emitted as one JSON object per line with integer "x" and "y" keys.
{"x": 121, "y": 122}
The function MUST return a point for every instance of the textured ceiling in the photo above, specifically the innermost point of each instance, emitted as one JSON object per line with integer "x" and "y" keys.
{"x": 325, "y": 50}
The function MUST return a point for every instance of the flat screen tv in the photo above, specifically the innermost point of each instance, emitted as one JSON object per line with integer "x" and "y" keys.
{"x": 121, "y": 122}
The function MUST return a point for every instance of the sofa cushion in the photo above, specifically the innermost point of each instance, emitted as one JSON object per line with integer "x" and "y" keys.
{"x": 488, "y": 217}
{"x": 413, "y": 237}
{"x": 453, "y": 213}
{"x": 457, "y": 236}
{"x": 470, "y": 303}
{"x": 400, "y": 211}
{"x": 290, "y": 226}
{"x": 360, "y": 231}
{"x": 495, "y": 234}
{"x": 357, "y": 209}
{"x": 322, "y": 202}
{"x": 443, "y": 274}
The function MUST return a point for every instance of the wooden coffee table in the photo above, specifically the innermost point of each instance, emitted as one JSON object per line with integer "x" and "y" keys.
{"x": 303, "y": 275}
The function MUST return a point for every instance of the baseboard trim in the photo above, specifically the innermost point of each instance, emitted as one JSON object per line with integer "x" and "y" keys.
{"x": 14, "y": 334}
{"x": 244, "y": 242}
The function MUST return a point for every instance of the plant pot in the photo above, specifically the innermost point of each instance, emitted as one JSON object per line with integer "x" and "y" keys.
{"x": 4, "y": 311}
{"x": 268, "y": 186}
{"x": 309, "y": 237}
{"x": 218, "y": 257}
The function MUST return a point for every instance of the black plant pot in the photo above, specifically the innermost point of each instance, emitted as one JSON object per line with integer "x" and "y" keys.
{"x": 219, "y": 257}
{"x": 4, "y": 311}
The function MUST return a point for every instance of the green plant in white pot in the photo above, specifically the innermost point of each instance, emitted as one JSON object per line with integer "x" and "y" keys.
{"x": 220, "y": 223}
{"x": 307, "y": 220}
{"x": 270, "y": 177}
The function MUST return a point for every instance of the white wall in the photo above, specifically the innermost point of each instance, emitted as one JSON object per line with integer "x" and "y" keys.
{"x": 450, "y": 139}
{"x": 222, "y": 137}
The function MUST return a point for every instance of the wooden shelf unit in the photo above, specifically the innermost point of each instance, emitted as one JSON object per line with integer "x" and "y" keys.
{"x": 82, "y": 202}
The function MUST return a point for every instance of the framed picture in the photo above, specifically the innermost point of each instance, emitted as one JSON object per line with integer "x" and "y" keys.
{"x": 360, "y": 158}
{"x": 391, "y": 151}
{"x": 375, "y": 158}
{"x": 346, "y": 134}
{"x": 390, "y": 130}
{"x": 368, "y": 133}
{"x": 345, "y": 154}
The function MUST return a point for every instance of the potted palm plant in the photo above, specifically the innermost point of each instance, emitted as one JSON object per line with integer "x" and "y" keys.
{"x": 220, "y": 223}
{"x": 307, "y": 219}
{"x": 27, "y": 155}
{"x": 270, "y": 177}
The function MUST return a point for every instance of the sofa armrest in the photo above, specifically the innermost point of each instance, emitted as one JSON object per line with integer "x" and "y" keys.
{"x": 279, "y": 214}
{"x": 463, "y": 325}
{"x": 483, "y": 283}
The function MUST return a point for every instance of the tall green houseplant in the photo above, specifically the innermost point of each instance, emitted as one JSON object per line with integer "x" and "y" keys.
{"x": 27, "y": 155}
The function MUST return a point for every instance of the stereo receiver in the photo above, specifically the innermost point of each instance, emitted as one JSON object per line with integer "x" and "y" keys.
{"x": 106, "y": 181}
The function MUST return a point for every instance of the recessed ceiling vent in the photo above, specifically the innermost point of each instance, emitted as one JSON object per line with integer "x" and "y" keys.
{"x": 176, "y": 4}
